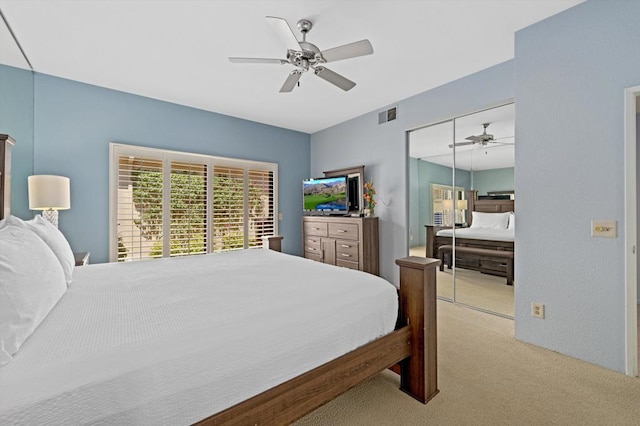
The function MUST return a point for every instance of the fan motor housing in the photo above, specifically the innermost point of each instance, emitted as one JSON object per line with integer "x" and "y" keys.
{"x": 309, "y": 55}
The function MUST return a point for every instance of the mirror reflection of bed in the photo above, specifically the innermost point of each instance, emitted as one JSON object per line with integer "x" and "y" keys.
{"x": 443, "y": 194}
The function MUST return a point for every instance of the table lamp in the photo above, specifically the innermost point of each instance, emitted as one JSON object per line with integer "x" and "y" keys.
{"x": 49, "y": 193}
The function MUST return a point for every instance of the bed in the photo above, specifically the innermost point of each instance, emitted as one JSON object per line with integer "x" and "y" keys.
{"x": 493, "y": 240}
{"x": 245, "y": 337}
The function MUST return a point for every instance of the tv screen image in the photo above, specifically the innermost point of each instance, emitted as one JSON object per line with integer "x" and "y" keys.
{"x": 325, "y": 194}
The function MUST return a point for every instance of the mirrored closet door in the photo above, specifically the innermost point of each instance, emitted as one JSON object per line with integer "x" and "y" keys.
{"x": 462, "y": 204}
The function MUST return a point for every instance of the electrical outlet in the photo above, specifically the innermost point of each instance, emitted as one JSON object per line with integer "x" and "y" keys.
{"x": 279, "y": 216}
{"x": 537, "y": 310}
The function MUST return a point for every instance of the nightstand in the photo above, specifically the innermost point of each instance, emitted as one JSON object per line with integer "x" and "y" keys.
{"x": 82, "y": 258}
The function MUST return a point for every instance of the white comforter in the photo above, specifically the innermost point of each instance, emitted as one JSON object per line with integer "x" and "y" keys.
{"x": 173, "y": 341}
{"x": 480, "y": 234}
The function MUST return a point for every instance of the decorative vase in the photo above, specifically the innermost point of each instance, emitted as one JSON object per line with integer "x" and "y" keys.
{"x": 368, "y": 212}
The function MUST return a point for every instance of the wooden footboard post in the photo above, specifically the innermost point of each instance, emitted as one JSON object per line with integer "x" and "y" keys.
{"x": 419, "y": 373}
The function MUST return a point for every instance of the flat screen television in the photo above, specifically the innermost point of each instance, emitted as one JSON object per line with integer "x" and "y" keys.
{"x": 325, "y": 195}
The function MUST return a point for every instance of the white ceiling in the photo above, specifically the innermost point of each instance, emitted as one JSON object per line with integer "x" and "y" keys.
{"x": 177, "y": 50}
{"x": 431, "y": 143}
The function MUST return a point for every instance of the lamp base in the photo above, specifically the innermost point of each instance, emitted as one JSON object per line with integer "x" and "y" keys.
{"x": 51, "y": 216}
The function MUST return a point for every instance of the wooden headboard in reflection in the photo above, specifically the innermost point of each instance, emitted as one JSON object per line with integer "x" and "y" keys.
{"x": 487, "y": 206}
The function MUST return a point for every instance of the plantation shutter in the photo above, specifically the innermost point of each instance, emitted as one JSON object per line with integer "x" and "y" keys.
{"x": 261, "y": 208}
{"x": 139, "y": 208}
{"x": 168, "y": 203}
{"x": 227, "y": 210}
{"x": 188, "y": 224}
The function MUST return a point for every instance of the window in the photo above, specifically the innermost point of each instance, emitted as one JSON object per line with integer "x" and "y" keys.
{"x": 167, "y": 203}
{"x": 446, "y": 208}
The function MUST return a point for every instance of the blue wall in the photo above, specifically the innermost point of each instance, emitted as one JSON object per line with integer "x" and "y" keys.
{"x": 75, "y": 122}
{"x": 493, "y": 180}
{"x": 571, "y": 71}
{"x": 422, "y": 175}
{"x": 383, "y": 148}
{"x": 16, "y": 120}
{"x": 568, "y": 82}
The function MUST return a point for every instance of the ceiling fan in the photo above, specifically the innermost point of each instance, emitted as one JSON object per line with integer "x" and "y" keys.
{"x": 483, "y": 139}
{"x": 304, "y": 55}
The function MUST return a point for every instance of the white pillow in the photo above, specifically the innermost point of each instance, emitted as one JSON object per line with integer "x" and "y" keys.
{"x": 56, "y": 241}
{"x": 489, "y": 220}
{"x": 512, "y": 221}
{"x": 32, "y": 283}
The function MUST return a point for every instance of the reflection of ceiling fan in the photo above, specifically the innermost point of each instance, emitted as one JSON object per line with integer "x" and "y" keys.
{"x": 483, "y": 139}
{"x": 304, "y": 55}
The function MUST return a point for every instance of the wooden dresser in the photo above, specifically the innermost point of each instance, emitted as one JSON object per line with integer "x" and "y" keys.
{"x": 351, "y": 242}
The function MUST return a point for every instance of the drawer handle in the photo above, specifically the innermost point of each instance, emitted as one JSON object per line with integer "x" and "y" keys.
{"x": 312, "y": 241}
{"x": 311, "y": 249}
{"x": 345, "y": 246}
{"x": 341, "y": 230}
{"x": 316, "y": 229}
{"x": 346, "y": 255}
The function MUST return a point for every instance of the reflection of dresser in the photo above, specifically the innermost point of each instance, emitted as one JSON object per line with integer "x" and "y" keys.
{"x": 351, "y": 242}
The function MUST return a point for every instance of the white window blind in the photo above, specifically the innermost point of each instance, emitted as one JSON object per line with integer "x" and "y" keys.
{"x": 167, "y": 203}
{"x": 139, "y": 208}
{"x": 444, "y": 204}
{"x": 188, "y": 225}
{"x": 228, "y": 210}
{"x": 261, "y": 210}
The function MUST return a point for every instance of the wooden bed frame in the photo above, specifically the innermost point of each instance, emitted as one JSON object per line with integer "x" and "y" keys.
{"x": 413, "y": 345}
{"x": 494, "y": 265}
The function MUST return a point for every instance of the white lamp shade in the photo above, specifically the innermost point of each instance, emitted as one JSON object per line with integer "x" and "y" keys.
{"x": 447, "y": 204}
{"x": 462, "y": 204}
{"x": 49, "y": 192}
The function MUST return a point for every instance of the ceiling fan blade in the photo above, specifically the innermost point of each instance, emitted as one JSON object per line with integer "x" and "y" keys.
{"x": 284, "y": 31}
{"x": 351, "y": 50}
{"x": 334, "y": 78}
{"x": 257, "y": 61}
{"x": 291, "y": 81}
{"x": 474, "y": 138}
{"x": 460, "y": 144}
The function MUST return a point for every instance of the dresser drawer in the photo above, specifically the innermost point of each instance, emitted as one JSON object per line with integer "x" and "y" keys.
{"x": 347, "y": 250}
{"x": 347, "y": 264}
{"x": 315, "y": 228}
{"x": 317, "y": 256}
{"x": 312, "y": 241}
{"x": 312, "y": 250}
{"x": 347, "y": 231}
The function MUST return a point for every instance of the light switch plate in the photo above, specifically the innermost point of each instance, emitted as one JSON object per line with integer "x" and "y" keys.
{"x": 603, "y": 228}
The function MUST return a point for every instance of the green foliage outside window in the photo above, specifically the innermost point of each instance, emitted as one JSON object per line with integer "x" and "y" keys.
{"x": 188, "y": 211}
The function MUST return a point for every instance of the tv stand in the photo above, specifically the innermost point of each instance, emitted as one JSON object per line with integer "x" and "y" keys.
{"x": 351, "y": 242}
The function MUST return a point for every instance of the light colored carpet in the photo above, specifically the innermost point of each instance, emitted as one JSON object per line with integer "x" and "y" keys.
{"x": 473, "y": 288}
{"x": 486, "y": 377}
